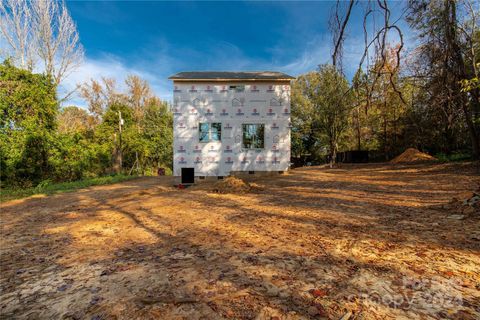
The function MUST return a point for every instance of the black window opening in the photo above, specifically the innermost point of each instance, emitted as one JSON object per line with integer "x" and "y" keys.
{"x": 188, "y": 175}
{"x": 253, "y": 136}
{"x": 209, "y": 131}
{"x": 238, "y": 88}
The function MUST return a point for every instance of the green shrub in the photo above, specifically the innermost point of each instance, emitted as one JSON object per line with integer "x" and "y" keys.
{"x": 460, "y": 156}
{"x": 47, "y": 187}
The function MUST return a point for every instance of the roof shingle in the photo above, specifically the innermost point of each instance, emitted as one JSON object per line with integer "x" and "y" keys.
{"x": 230, "y": 75}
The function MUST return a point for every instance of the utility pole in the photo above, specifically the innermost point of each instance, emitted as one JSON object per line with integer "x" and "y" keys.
{"x": 120, "y": 155}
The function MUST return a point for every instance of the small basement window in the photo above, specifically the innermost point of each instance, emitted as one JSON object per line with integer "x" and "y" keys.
{"x": 253, "y": 136}
{"x": 238, "y": 88}
{"x": 209, "y": 131}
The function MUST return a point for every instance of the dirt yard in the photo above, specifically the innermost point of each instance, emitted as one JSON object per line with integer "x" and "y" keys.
{"x": 357, "y": 242}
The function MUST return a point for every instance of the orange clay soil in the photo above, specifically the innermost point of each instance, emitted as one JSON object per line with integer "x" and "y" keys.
{"x": 373, "y": 241}
{"x": 412, "y": 155}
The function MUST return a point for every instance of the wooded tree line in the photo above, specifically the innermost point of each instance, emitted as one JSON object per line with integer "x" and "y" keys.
{"x": 126, "y": 131}
{"x": 41, "y": 142}
{"x": 427, "y": 97}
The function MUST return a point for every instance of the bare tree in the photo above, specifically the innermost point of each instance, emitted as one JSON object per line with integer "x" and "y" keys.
{"x": 101, "y": 94}
{"x": 74, "y": 119}
{"x": 379, "y": 85}
{"x": 447, "y": 56}
{"x": 138, "y": 91}
{"x": 17, "y": 33}
{"x": 379, "y": 40}
{"x": 111, "y": 93}
{"x": 338, "y": 26}
{"x": 42, "y": 35}
{"x": 468, "y": 31}
{"x": 94, "y": 94}
{"x": 58, "y": 42}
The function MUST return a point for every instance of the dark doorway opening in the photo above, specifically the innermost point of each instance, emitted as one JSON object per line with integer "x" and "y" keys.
{"x": 188, "y": 175}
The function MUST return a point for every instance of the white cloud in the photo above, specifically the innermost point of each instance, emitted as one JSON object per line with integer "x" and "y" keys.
{"x": 156, "y": 69}
{"x": 221, "y": 55}
{"x": 315, "y": 53}
{"x": 109, "y": 66}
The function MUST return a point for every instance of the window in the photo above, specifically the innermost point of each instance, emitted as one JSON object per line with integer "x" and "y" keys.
{"x": 216, "y": 132}
{"x": 238, "y": 88}
{"x": 209, "y": 132}
{"x": 253, "y": 136}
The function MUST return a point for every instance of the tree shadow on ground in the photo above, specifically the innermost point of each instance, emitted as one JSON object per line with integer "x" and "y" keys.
{"x": 216, "y": 256}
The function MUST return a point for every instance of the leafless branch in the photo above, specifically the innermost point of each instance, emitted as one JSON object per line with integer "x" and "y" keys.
{"x": 340, "y": 29}
{"x": 58, "y": 42}
{"x": 17, "y": 32}
{"x": 41, "y": 35}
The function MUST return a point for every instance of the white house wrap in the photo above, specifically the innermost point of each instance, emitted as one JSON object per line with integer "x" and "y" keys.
{"x": 231, "y": 121}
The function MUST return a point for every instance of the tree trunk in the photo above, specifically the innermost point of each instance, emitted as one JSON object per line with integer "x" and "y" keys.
{"x": 448, "y": 139}
{"x": 473, "y": 133}
{"x": 394, "y": 128}
{"x": 333, "y": 153}
{"x": 359, "y": 145}
{"x": 460, "y": 70}
{"x": 385, "y": 148}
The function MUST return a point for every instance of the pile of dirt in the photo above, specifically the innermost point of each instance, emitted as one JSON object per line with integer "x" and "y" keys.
{"x": 412, "y": 155}
{"x": 234, "y": 185}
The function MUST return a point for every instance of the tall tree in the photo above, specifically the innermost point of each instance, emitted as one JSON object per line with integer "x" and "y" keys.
{"x": 99, "y": 94}
{"x": 28, "y": 110}
{"x": 360, "y": 109}
{"x": 41, "y": 35}
{"x": 138, "y": 92}
{"x": 16, "y": 29}
{"x": 73, "y": 119}
{"x": 444, "y": 57}
{"x": 332, "y": 105}
{"x": 327, "y": 97}
{"x": 303, "y": 138}
{"x": 157, "y": 125}
{"x": 388, "y": 101}
{"x": 95, "y": 95}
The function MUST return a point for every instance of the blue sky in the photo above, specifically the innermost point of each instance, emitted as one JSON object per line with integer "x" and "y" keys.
{"x": 156, "y": 39}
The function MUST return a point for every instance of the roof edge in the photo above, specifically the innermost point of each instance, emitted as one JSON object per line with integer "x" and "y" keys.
{"x": 230, "y": 76}
{"x": 229, "y": 79}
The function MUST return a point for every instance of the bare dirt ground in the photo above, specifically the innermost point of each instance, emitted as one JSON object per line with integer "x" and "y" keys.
{"x": 372, "y": 241}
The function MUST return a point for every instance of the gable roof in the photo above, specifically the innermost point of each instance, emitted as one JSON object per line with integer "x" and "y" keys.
{"x": 229, "y": 75}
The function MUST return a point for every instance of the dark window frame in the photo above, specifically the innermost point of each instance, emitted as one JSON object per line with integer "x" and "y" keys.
{"x": 258, "y": 144}
{"x": 237, "y": 88}
{"x": 209, "y": 131}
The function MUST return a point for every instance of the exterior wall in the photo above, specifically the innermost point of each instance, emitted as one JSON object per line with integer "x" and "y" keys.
{"x": 265, "y": 103}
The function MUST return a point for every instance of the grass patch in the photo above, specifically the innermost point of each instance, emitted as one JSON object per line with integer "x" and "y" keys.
{"x": 48, "y": 188}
